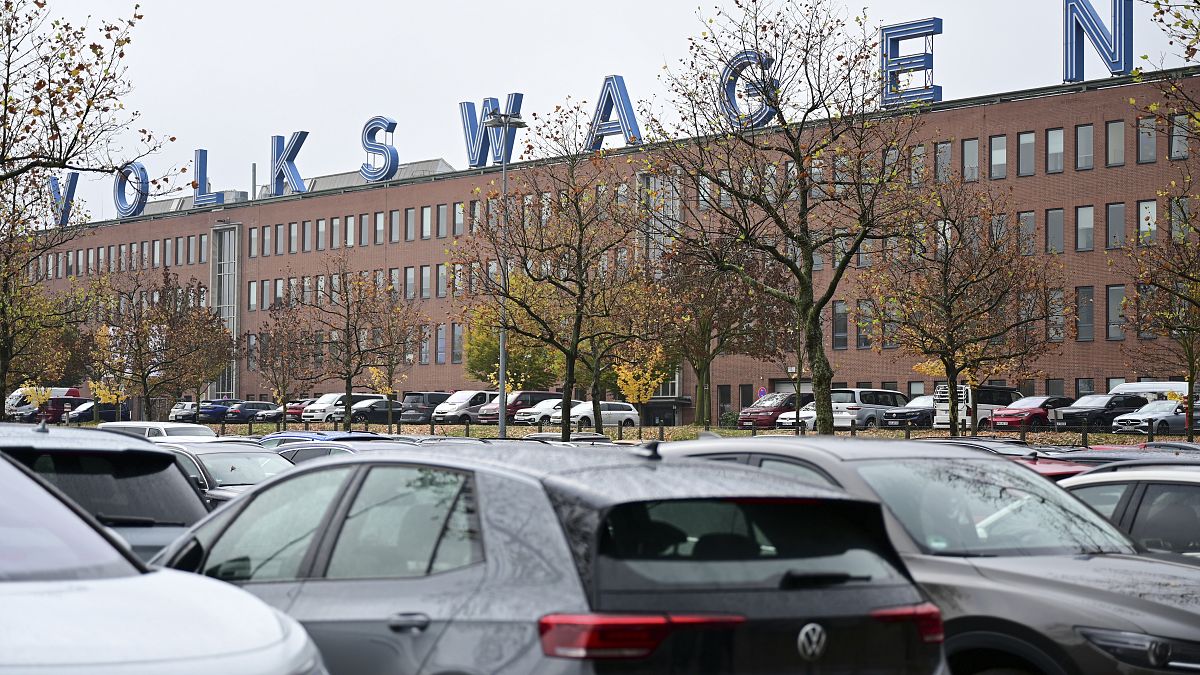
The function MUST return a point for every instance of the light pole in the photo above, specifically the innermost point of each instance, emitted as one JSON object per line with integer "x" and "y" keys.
{"x": 508, "y": 123}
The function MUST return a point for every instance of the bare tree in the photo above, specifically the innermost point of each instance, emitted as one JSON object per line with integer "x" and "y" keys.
{"x": 284, "y": 351}
{"x": 786, "y": 208}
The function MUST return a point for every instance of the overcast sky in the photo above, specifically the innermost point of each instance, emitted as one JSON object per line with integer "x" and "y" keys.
{"x": 227, "y": 75}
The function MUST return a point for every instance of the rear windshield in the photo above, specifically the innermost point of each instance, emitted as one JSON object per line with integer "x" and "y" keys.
{"x": 842, "y": 396}
{"x": 120, "y": 488}
{"x": 414, "y": 399}
{"x": 736, "y": 543}
{"x": 190, "y": 431}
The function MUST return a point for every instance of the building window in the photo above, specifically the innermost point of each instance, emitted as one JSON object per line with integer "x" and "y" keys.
{"x": 364, "y": 230}
{"x": 1084, "y": 228}
{"x": 440, "y": 354}
{"x": 423, "y": 350}
{"x": 380, "y": 225}
{"x": 252, "y": 296}
{"x": 251, "y": 243}
{"x": 456, "y": 343}
{"x": 1027, "y": 223}
{"x": 840, "y": 325}
{"x": 306, "y": 243}
{"x": 1084, "y": 386}
{"x": 426, "y": 222}
{"x": 191, "y": 249}
{"x": 998, "y": 157}
{"x": 266, "y": 294}
{"x": 394, "y": 226}
{"x": 1084, "y": 158}
{"x": 1054, "y": 151}
{"x": 941, "y": 166}
{"x": 349, "y": 231}
{"x": 915, "y": 389}
{"x": 1114, "y": 143}
{"x": 1026, "y": 387}
{"x": 1054, "y": 387}
{"x": 1147, "y": 140}
{"x": 1085, "y": 314}
{"x": 1055, "y": 316}
{"x": 970, "y": 159}
{"x": 1147, "y": 222}
{"x": 293, "y": 232}
{"x": 1114, "y": 382}
{"x": 1025, "y": 150}
{"x": 1054, "y": 231}
{"x": 157, "y": 259}
{"x": 460, "y": 218}
{"x": 443, "y": 280}
{"x": 1181, "y": 218}
{"x": 476, "y": 214}
{"x": 916, "y": 165}
{"x": 277, "y": 299}
{"x": 1114, "y": 225}
{"x": 203, "y": 249}
{"x": 1179, "y": 137}
{"x": 442, "y": 221}
{"x": 335, "y": 233}
{"x": 266, "y": 244}
{"x": 410, "y": 282}
{"x": 321, "y": 234}
{"x": 426, "y": 279}
{"x": 280, "y": 241}
{"x": 410, "y": 224}
{"x": 1115, "y": 312}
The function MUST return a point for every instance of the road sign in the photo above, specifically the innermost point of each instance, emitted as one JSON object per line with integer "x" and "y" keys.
{"x": 762, "y": 391}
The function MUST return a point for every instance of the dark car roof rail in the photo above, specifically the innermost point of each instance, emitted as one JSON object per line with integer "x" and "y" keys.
{"x": 1182, "y": 462}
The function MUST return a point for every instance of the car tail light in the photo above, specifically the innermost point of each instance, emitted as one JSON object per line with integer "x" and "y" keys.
{"x": 619, "y": 636}
{"x": 854, "y": 407}
{"x": 926, "y": 616}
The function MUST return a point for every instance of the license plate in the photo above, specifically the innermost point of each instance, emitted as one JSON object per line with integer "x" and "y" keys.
{"x": 1001, "y": 424}
{"x": 892, "y": 423}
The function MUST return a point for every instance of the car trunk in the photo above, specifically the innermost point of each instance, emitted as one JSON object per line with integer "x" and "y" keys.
{"x": 747, "y": 586}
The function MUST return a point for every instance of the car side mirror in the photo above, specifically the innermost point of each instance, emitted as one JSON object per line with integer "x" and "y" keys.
{"x": 189, "y": 558}
{"x": 198, "y": 483}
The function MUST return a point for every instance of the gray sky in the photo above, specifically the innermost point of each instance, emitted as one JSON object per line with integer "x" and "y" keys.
{"x": 227, "y": 75}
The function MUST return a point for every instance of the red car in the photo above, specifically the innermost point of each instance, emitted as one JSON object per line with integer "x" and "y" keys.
{"x": 293, "y": 409}
{"x": 1032, "y": 412}
{"x": 765, "y": 412}
{"x": 1054, "y": 469}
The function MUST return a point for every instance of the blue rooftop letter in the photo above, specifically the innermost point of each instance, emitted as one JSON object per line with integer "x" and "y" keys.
{"x": 613, "y": 98}
{"x": 283, "y": 163}
{"x": 893, "y": 65}
{"x": 478, "y": 142}
{"x": 1116, "y": 48}
{"x": 391, "y": 158}
{"x": 63, "y": 202}
{"x": 135, "y": 173}
{"x": 200, "y": 194}
{"x": 755, "y": 88}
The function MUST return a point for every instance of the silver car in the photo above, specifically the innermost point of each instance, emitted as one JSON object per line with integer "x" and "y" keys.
{"x": 1167, "y": 417}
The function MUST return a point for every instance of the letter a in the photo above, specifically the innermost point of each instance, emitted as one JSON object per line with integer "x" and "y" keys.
{"x": 613, "y": 97}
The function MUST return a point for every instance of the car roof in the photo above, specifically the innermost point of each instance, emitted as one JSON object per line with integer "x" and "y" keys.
{"x": 155, "y": 425}
{"x": 840, "y": 448}
{"x": 218, "y": 447}
{"x": 1156, "y": 473}
{"x": 43, "y": 437}
{"x": 353, "y": 446}
{"x": 1110, "y": 456}
{"x": 324, "y": 435}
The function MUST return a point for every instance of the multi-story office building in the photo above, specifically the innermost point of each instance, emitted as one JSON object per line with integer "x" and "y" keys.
{"x": 1081, "y": 167}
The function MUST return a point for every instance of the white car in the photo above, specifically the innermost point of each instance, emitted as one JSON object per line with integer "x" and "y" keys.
{"x": 75, "y": 602}
{"x": 612, "y": 414}
{"x": 807, "y": 416}
{"x": 322, "y": 409}
{"x": 542, "y": 412}
{"x": 154, "y": 430}
{"x": 1155, "y": 503}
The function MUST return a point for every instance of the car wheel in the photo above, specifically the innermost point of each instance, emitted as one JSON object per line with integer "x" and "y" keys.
{"x": 802, "y": 426}
{"x": 1037, "y": 426}
{"x": 627, "y": 423}
{"x": 585, "y": 421}
{"x": 870, "y": 424}
{"x": 358, "y": 418}
{"x": 1162, "y": 429}
{"x": 985, "y": 424}
{"x": 545, "y": 419}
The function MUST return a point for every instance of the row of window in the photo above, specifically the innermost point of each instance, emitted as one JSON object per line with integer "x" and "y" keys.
{"x": 433, "y": 280}
{"x": 364, "y": 230}
{"x": 435, "y": 342}
{"x": 169, "y": 252}
{"x": 1115, "y": 225}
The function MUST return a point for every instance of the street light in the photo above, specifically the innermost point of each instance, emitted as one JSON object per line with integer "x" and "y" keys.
{"x": 505, "y": 122}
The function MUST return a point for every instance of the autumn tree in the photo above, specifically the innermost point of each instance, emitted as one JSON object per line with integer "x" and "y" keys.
{"x": 786, "y": 207}
{"x": 567, "y": 263}
{"x": 643, "y": 366}
{"x": 284, "y": 350}
{"x": 959, "y": 286}
{"x": 151, "y": 326}
{"x": 530, "y": 365}
{"x": 399, "y": 326}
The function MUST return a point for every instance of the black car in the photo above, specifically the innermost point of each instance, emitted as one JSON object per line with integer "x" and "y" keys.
{"x": 223, "y": 471}
{"x": 1097, "y": 411}
{"x": 126, "y": 483}
{"x": 86, "y": 412}
{"x": 417, "y": 406}
{"x": 375, "y": 411}
{"x": 1030, "y": 580}
{"x": 916, "y": 414}
{"x": 244, "y": 411}
{"x": 527, "y": 558}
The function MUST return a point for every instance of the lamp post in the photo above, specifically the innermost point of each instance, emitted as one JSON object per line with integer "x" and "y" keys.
{"x": 508, "y": 123}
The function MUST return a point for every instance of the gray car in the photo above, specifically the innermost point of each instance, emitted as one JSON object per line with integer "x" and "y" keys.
{"x": 1166, "y": 417}
{"x": 1031, "y": 581}
{"x": 528, "y": 558}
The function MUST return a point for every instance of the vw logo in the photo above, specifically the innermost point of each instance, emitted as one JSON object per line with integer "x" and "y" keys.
{"x": 811, "y": 642}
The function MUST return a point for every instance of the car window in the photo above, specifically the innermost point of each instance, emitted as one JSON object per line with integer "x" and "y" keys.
{"x": 243, "y": 468}
{"x": 268, "y": 539}
{"x": 1103, "y": 497}
{"x": 1169, "y": 518}
{"x": 305, "y": 454}
{"x": 153, "y": 432}
{"x": 842, "y": 396}
{"x": 796, "y": 470}
{"x": 189, "y": 466}
{"x": 407, "y": 522}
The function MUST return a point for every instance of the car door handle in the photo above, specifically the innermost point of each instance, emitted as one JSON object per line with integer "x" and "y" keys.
{"x": 408, "y": 622}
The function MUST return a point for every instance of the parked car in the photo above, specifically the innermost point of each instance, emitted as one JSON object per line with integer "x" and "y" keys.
{"x": 126, "y": 483}
{"x": 541, "y": 412}
{"x": 583, "y": 561}
{"x": 612, "y": 414}
{"x": 1097, "y": 411}
{"x": 1035, "y": 413}
{"x": 214, "y": 410}
{"x": 222, "y": 471}
{"x": 310, "y": 450}
{"x": 806, "y": 416}
{"x": 52, "y": 411}
{"x": 18, "y": 402}
{"x": 417, "y": 406}
{"x": 108, "y": 412}
{"x": 294, "y": 409}
{"x": 1165, "y": 417}
{"x": 974, "y": 403}
{"x": 1030, "y": 580}
{"x": 77, "y": 602}
{"x": 321, "y": 409}
{"x": 916, "y": 414}
{"x": 280, "y": 438}
{"x": 1100, "y": 457}
{"x": 863, "y": 408}
{"x": 182, "y": 411}
{"x": 1157, "y": 505}
{"x": 1041, "y": 459}
{"x": 578, "y": 437}
{"x": 244, "y": 411}
{"x": 763, "y": 413}
{"x": 373, "y": 411}
{"x": 158, "y": 429}
{"x": 489, "y": 412}
{"x": 275, "y": 413}
{"x": 462, "y": 406}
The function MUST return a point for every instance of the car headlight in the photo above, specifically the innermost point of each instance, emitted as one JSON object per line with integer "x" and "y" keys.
{"x": 1133, "y": 648}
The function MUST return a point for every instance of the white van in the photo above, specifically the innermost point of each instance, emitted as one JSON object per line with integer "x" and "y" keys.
{"x": 1151, "y": 390}
{"x": 973, "y": 402}
{"x": 18, "y": 403}
{"x": 462, "y": 406}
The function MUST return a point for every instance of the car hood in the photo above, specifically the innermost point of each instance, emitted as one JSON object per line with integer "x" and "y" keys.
{"x": 162, "y": 616}
{"x": 1018, "y": 411}
{"x": 1069, "y": 410}
{"x": 1144, "y": 416}
{"x": 1159, "y": 595}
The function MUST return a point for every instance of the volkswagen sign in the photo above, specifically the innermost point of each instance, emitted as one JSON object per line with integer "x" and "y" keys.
{"x": 811, "y": 642}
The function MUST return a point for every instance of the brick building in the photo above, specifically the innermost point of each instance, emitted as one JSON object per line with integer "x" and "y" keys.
{"x": 1082, "y": 170}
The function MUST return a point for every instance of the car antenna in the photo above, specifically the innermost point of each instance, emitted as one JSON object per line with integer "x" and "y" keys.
{"x": 652, "y": 450}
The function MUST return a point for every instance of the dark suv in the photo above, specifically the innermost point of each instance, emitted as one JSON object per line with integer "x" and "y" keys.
{"x": 1031, "y": 581}
{"x": 528, "y": 558}
{"x": 1097, "y": 411}
{"x": 417, "y": 406}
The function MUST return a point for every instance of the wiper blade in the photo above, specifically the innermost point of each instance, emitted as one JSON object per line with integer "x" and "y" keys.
{"x": 143, "y": 521}
{"x": 962, "y": 554}
{"x": 794, "y": 579}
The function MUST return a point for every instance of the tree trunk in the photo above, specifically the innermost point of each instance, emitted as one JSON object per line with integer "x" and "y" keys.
{"x": 703, "y": 395}
{"x": 347, "y": 403}
{"x": 597, "y": 420}
{"x": 568, "y": 393}
{"x": 389, "y": 410}
{"x": 1190, "y": 404}
{"x": 822, "y": 374}
{"x": 952, "y": 392}
{"x": 147, "y": 406}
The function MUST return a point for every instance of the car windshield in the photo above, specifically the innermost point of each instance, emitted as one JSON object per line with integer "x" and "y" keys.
{"x": 811, "y": 405}
{"x": 920, "y": 402}
{"x": 45, "y": 541}
{"x": 771, "y": 400}
{"x": 1028, "y": 402}
{"x": 461, "y": 396}
{"x": 84, "y": 407}
{"x": 966, "y": 507}
{"x": 1094, "y": 401}
{"x": 842, "y": 396}
{"x": 243, "y": 468}
{"x": 1159, "y": 407}
{"x": 512, "y": 398}
{"x": 190, "y": 431}
{"x": 327, "y": 398}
